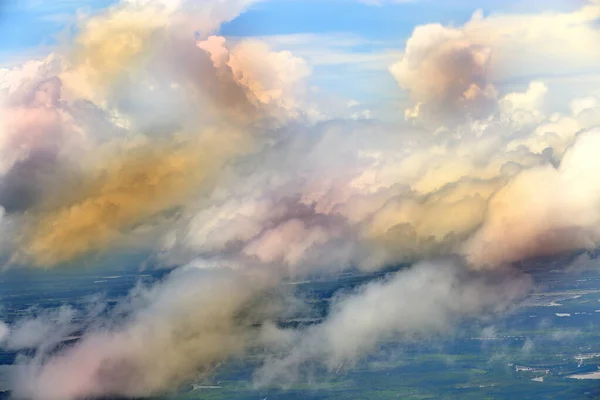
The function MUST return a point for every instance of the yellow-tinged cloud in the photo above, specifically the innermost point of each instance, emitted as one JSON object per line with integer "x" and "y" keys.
{"x": 543, "y": 210}
{"x": 110, "y": 45}
{"x": 129, "y": 189}
{"x": 138, "y": 54}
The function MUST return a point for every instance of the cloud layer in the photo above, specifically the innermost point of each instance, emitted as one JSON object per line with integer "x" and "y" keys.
{"x": 149, "y": 131}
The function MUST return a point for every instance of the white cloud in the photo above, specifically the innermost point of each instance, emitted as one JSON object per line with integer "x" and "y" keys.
{"x": 423, "y": 301}
{"x": 207, "y": 148}
{"x": 449, "y": 68}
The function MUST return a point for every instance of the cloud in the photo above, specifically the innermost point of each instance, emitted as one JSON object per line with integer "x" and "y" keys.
{"x": 44, "y": 330}
{"x": 445, "y": 72}
{"x": 543, "y": 210}
{"x": 425, "y": 300}
{"x": 128, "y": 191}
{"x": 128, "y": 122}
{"x": 190, "y": 322}
{"x": 198, "y": 317}
{"x": 277, "y": 79}
{"x": 370, "y": 200}
{"x": 545, "y": 35}
{"x": 149, "y": 131}
{"x": 451, "y": 72}
{"x": 4, "y": 331}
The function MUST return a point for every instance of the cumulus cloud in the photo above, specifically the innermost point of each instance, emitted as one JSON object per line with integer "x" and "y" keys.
{"x": 129, "y": 191}
{"x": 151, "y": 130}
{"x": 544, "y": 210}
{"x": 446, "y": 73}
{"x": 450, "y": 72}
{"x": 397, "y": 195}
{"x": 129, "y": 121}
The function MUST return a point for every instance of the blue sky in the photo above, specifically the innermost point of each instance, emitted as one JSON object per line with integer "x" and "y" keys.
{"x": 29, "y": 23}
{"x": 343, "y": 40}
{"x": 25, "y": 24}
{"x": 387, "y": 21}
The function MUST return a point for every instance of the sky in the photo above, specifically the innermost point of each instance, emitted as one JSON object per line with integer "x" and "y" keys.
{"x": 367, "y": 28}
{"x": 31, "y": 23}
{"x": 242, "y": 145}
